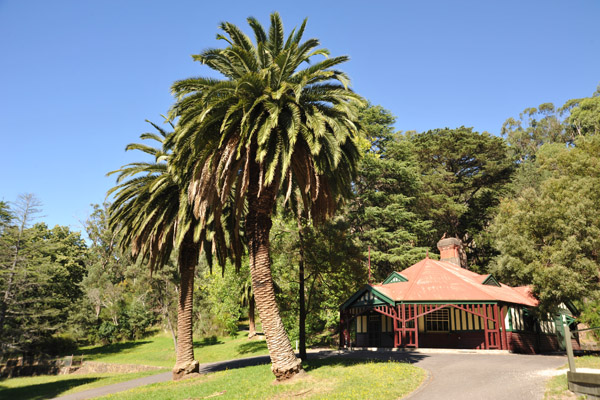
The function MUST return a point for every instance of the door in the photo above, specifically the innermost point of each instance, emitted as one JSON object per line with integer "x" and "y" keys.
{"x": 374, "y": 329}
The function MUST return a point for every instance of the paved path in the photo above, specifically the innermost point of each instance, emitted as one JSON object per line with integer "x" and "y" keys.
{"x": 456, "y": 375}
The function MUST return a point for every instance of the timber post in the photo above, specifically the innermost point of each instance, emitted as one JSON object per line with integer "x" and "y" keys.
{"x": 341, "y": 346}
{"x": 403, "y": 340}
{"x": 347, "y": 332}
{"x": 504, "y": 335}
{"x": 568, "y": 344}
{"x": 486, "y": 326}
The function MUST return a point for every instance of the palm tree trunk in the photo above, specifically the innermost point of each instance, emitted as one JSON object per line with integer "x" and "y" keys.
{"x": 284, "y": 362}
{"x": 188, "y": 259}
{"x": 301, "y": 297}
{"x": 251, "y": 321}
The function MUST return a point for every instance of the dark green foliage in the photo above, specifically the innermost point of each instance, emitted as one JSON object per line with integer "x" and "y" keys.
{"x": 118, "y": 301}
{"x": 334, "y": 268}
{"x": 217, "y": 304}
{"x": 381, "y": 212}
{"x": 66, "y": 251}
{"x": 107, "y": 332}
{"x": 55, "y": 345}
{"x": 590, "y": 313}
{"x": 40, "y": 271}
{"x": 5, "y": 215}
{"x": 547, "y": 229}
{"x": 464, "y": 175}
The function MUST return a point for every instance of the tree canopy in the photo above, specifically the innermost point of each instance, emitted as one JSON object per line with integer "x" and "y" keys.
{"x": 464, "y": 175}
{"x": 548, "y": 235}
{"x": 40, "y": 272}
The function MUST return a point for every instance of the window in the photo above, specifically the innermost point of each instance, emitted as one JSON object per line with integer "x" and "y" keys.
{"x": 361, "y": 324}
{"x": 438, "y": 321}
{"x": 387, "y": 324}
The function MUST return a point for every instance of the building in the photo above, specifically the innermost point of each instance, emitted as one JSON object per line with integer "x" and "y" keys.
{"x": 439, "y": 304}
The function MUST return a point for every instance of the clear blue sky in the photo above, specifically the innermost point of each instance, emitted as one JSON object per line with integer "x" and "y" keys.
{"x": 78, "y": 78}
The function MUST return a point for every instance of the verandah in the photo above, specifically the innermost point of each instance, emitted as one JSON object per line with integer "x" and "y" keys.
{"x": 405, "y": 317}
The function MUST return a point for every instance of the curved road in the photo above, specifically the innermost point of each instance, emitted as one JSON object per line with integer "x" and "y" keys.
{"x": 455, "y": 375}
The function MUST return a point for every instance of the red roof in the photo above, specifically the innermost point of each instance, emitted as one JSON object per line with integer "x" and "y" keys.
{"x": 432, "y": 280}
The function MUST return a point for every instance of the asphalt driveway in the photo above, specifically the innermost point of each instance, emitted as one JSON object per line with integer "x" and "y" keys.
{"x": 476, "y": 376}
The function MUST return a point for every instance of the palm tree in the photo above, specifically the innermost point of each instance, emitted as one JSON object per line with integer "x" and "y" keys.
{"x": 152, "y": 215}
{"x": 266, "y": 127}
{"x": 247, "y": 299}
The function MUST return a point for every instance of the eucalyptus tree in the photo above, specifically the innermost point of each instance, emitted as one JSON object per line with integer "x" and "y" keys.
{"x": 548, "y": 235}
{"x": 152, "y": 217}
{"x": 266, "y": 126}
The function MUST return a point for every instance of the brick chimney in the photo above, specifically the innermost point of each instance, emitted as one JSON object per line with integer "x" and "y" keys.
{"x": 450, "y": 250}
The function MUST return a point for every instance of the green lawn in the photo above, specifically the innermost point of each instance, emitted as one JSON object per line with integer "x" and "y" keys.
{"x": 326, "y": 379}
{"x": 49, "y": 386}
{"x": 556, "y": 387}
{"x": 159, "y": 351}
{"x": 331, "y": 378}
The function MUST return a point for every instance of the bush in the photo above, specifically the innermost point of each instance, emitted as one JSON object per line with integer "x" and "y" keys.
{"x": 107, "y": 332}
{"x": 135, "y": 321}
{"x": 56, "y": 345}
{"x": 590, "y": 315}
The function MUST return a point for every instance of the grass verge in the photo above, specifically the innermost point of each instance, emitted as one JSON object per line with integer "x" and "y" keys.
{"x": 557, "y": 388}
{"x": 325, "y": 379}
{"x": 49, "y": 386}
{"x": 159, "y": 350}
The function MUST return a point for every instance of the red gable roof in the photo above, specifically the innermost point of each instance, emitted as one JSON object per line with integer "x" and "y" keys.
{"x": 431, "y": 280}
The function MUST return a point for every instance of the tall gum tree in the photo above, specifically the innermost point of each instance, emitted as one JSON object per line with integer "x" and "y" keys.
{"x": 265, "y": 128}
{"x": 548, "y": 235}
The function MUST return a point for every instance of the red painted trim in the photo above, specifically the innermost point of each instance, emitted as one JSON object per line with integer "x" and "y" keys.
{"x": 417, "y": 327}
{"x": 387, "y": 311}
{"x": 470, "y": 308}
{"x": 496, "y": 337}
{"x": 504, "y": 336}
{"x": 486, "y": 330}
{"x": 403, "y": 314}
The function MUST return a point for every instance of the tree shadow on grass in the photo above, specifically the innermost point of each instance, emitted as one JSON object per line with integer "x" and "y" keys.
{"x": 109, "y": 349}
{"x": 207, "y": 341}
{"x": 313, "y": 364}
{"x": 316, "y": 361}
{"x": 251, "y": 347}
{"x": 43, "y": 390}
